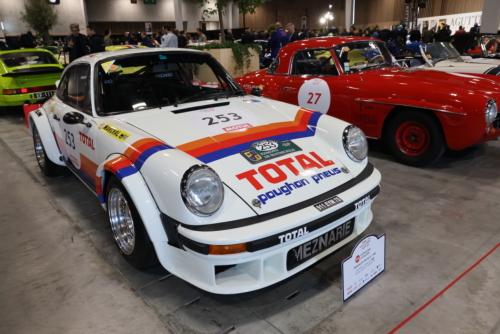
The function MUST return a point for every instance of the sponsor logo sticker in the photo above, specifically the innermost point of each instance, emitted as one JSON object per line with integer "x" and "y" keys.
{"x": 114, "y": 132}
{"x": 269, "y": 149}
{"x": 237, "y": 127}
{"x": 328, "y": 203}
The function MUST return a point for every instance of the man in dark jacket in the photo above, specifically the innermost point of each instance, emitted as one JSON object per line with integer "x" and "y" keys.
{"x": 385, "y": 34}
{"x": 294, "y": 35}
{"x": 96, "y": 40}
{"x": 146, "y": 41}
{"x": 415, "y": 35}
{"x": 247, "y": 37}
{"x": 229, "y": 35}
{"x": 76, "y": 43}
{"x": 181, "y": 39}
{"x": 402, "y": 35}
{"x": 28, "y": 41}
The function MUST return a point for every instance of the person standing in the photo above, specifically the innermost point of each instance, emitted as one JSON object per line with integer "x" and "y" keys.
{"x": 385, "y": 34}
{"x": 279, "y": 39}
{"x": 247, "y": 37}
{"x": 427, "y": 35}
{"x": 376, "y": 33}
{"x": 181, "y": 39}
{"x": 126, "y": 39}
{"x": 201, "y": 36}
{"x": 402, "y": 35}
{"x": 229, "y": 35}
{"x": 107, "y": 38}
{"x": 27, "y": 40}
{"x": 146, "y": 41}
{"x": 168, "y": 40}
{"x": 96, "y": 41}
{"x": 460, "y": 31}
{"x": 415, "y": 35}
{"x": 294, "y": 35}
{"x": 76, "y": 43}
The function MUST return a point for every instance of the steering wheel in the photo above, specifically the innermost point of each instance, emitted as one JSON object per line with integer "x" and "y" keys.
{"x": 373, "y": 59}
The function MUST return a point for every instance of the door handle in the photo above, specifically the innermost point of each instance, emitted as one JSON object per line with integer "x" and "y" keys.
{"x": 286, "y": 88}
{"x": 56, "y": 117}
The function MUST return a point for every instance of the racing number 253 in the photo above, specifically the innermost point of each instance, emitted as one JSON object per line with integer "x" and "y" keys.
{"x": 311, "y": 98}
{"x": 69, "y": 138}
{"x": 222, "y": 118}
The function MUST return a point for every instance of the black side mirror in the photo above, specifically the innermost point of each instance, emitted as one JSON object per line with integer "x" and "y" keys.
{"x": 75, "y": 118}
{"x": 256, "y": 91}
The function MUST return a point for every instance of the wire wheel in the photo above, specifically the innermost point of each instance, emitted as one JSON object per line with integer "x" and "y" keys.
{"x": 412, "y": 138}
{"x": 39, "y": 151}
{"x": 121, "y": 221}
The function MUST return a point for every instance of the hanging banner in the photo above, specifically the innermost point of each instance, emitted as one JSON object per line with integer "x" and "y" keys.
{"x": 407, "y": 15}
{"x": 366, "y": 262}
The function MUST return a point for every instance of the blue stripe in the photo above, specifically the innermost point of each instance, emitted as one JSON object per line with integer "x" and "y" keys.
{"x": 101, "y": 198}
{"x": 126, "y": 171}
{"x": 225, "y": 152}
{"x": 149, "y": 152}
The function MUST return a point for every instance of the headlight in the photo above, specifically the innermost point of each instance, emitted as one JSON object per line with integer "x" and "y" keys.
{"x": 355, "y": 143}
{"x": 202, "y": 190}
{"x": 490, "y": 112}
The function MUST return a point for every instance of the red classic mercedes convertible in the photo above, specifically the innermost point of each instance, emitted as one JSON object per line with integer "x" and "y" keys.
{"x": 416, "y": 111}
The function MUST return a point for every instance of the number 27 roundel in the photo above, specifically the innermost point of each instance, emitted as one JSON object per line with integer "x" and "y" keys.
{"x": 314, "y": 94}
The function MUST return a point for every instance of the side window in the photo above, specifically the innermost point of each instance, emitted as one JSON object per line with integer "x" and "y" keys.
{"x": 314, "y": 63}
{"x": 62, "y": 89}
{"x": 78, "y": 90}
{"x": 274, "y": 65}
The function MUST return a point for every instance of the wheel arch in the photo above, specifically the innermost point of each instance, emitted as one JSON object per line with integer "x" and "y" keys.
{"x": 39, "y": 118}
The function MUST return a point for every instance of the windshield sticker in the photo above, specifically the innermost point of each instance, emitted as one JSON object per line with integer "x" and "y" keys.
{"x": 107, "y": 66}
{"x": 162, "y": 57}
{"x": 114, "y": 132}
{"x": 428, "y": 56}
{"x": 269, "y": 149}
{"x": 315, "y": 95}
{"x": 220, "y": 120}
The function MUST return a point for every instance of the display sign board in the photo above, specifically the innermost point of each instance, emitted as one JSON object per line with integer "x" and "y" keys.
{"x": 466, "y": 20}
{"x": 366, "y": 262}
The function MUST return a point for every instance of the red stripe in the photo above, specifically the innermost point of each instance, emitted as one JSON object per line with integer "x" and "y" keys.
{"x": 442, "y": 291}
{"x": 141, "y": 149}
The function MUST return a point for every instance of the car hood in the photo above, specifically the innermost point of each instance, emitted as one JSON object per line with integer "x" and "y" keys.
{"x": 470, "y": 66}
{"x": 293, "y": 164}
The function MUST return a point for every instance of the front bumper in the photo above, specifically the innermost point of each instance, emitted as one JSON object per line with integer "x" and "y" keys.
{"x": 265, "y": 261}
{"x": 19, "y": 99}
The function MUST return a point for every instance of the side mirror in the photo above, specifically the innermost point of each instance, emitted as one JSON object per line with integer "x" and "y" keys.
{"x": 75, "y": 118}
{"x": 57, "y": 83}
{"x": 256, "y": 91}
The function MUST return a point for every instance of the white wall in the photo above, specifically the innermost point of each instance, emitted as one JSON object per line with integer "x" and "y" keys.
{"x": 163, "y": 11}
{"x": 70, "y": 11}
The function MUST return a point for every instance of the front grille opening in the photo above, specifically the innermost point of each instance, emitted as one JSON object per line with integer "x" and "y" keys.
{"x": 220, "y": 269}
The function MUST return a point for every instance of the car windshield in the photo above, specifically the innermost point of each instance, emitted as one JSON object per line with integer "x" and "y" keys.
{"x": 439, "y": 51}
{"x": 362, "y": 56}
{"x": 16, "y": 59}
{"x": 139, "y": 82}
{"x": 490, "y": 45}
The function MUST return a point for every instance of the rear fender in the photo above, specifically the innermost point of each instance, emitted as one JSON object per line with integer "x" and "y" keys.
{"x": 121, "y": 167}
{"x": 40, "y": 119}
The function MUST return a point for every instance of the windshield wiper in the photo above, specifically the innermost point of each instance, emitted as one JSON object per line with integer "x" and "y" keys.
{"x": 187, "y": 98}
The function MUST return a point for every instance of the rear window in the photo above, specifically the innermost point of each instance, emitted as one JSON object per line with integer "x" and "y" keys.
{"x": 27, "y": 59}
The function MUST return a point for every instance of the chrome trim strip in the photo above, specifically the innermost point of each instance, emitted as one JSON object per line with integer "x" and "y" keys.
{"x": 407, "y": 105}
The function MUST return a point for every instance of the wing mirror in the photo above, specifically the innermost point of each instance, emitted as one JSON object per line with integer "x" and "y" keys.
{"x": 75, "y": 118}
{"x": 256, "y": 91}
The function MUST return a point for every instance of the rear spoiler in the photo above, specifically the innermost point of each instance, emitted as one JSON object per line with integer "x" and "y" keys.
{"x": 33, "y": 71}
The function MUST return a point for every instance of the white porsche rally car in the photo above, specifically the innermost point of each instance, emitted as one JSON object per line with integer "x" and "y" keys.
{"x": 230, "y": 192}
{"x": 442, "y": 56}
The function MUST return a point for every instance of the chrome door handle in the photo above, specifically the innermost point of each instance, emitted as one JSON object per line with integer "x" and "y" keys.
{"x": 56, "y": 117}
{"x": 286, "y": 88}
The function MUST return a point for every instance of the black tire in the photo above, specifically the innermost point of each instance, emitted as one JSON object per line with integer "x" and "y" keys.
{"x": 407, "y": 52}
{"x": 415, "y": 138}
{"x": 142, "y": 254}
{"x": 46, "y": 165}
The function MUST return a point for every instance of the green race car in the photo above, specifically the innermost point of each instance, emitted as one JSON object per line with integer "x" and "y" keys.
{"x": 27, "y": 75}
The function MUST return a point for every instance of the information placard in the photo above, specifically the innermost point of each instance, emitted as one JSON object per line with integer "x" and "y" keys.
{"x": 366, "y": 262}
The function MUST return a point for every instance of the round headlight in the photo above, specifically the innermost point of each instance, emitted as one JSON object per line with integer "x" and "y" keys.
{"x": 202, "y": 190}
{"x": 490, "y": 112}
{"x": 355, "y": 143}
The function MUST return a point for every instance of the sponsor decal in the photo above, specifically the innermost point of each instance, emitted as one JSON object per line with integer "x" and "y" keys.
{"x": 114, "y": 132}
{"x": 314, "y": 94}
{"x": 269, "y": 149}
{"x": 365, "y": 119}
{"x": 306, "y": 162}
{"x": 328, "y": 203}
{"x": 237, "y": 127}
{"x": 362, "y": 202}
{"x": 86, "y": 140}
{"x": 251, "y": 101}
{"x": 294, "y": 234}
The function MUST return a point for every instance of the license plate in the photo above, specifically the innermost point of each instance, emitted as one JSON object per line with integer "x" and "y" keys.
{"x": 300, "y": 254}
{"x": 43, "y": 95}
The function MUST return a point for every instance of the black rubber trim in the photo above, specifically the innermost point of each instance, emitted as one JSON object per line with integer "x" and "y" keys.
{"x": 281, "y": 212}
{"x": 33, "y": 71}
{"x": 273, "y": 240}
{"x": 314, "y": 225}
{"x": 170, "y": 226}
{"x": 214, "y": 105}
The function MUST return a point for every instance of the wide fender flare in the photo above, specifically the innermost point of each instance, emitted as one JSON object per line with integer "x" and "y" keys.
{"x": 130, "y": 177}
{"x": 40, "y": 119}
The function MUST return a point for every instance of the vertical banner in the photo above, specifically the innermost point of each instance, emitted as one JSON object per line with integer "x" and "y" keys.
{"x": 407, "y": 14}
{"x": 415, "y": 18}
{"x": 304, "y": 22}
{"x": 366, "y": 262}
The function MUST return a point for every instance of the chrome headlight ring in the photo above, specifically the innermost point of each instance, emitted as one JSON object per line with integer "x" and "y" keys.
{"x": 202, "y": 190}
{"x": 490, "y": 111}
{"x": 355, "y": 143}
